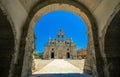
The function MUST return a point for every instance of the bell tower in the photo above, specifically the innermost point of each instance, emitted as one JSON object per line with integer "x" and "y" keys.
{"x": 60, "y": 36}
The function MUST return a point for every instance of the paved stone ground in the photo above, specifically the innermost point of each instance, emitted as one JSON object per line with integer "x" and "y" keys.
{"x": 77, "y": 63}
{"x": 39, "y": 63}
{"x": 60, "y": 68}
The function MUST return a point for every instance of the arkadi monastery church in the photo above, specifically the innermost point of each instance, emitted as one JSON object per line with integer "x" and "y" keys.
{"x": 60, "y": 48}
{"x": 17, "y": 21}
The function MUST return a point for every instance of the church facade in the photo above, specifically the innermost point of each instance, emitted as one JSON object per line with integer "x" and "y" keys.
{"x": 60, "y": 48}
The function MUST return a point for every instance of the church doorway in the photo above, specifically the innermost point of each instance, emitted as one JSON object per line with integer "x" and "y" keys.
{"x": 52, "y": 55}
{"x": 68, "y": 55}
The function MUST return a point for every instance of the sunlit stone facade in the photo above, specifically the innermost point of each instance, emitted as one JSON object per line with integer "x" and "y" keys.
{"x": 60, "y": 48}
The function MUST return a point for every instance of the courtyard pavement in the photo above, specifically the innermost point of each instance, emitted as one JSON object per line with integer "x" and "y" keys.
{"x": 60, "y": 68}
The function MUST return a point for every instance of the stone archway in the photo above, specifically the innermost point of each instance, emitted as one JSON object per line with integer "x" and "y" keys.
{"x": 27, "y": 44}
{"x": 7, "y": 44}
{"x": 112, "y": 47}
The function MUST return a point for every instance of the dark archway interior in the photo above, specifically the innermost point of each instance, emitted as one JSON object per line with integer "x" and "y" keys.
{"x": 6, "y": 45}
{"x": 112, "y": 46}
{"x": 52, "y": 55}
{"x": 68, "y": 55}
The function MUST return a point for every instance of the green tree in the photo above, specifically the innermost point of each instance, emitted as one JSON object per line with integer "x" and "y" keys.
{"x": 38, "y": 55}
{"x": 34, "y": 41}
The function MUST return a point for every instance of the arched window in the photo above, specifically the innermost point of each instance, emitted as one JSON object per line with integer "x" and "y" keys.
{"x": 58, "y": 37}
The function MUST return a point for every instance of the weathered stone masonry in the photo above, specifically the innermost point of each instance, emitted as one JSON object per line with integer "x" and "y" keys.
{"x": 60, "y": 48}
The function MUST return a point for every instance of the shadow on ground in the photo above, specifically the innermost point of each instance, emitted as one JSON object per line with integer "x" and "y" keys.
{"x": 59, "y": 75}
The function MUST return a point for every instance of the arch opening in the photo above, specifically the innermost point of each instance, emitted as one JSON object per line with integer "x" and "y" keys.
{"x": 52, "y": 55}
{"x": 69, "y": 40}
{"x": 92, "y": 46}
{"x": 68, "y": 55}
{"x": 59, "y": 52}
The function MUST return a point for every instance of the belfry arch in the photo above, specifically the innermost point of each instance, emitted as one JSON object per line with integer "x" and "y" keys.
{"x": 27, "y": 39}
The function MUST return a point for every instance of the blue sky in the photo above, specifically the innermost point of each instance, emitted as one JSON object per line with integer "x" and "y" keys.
{"x": 49, "y": 24}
